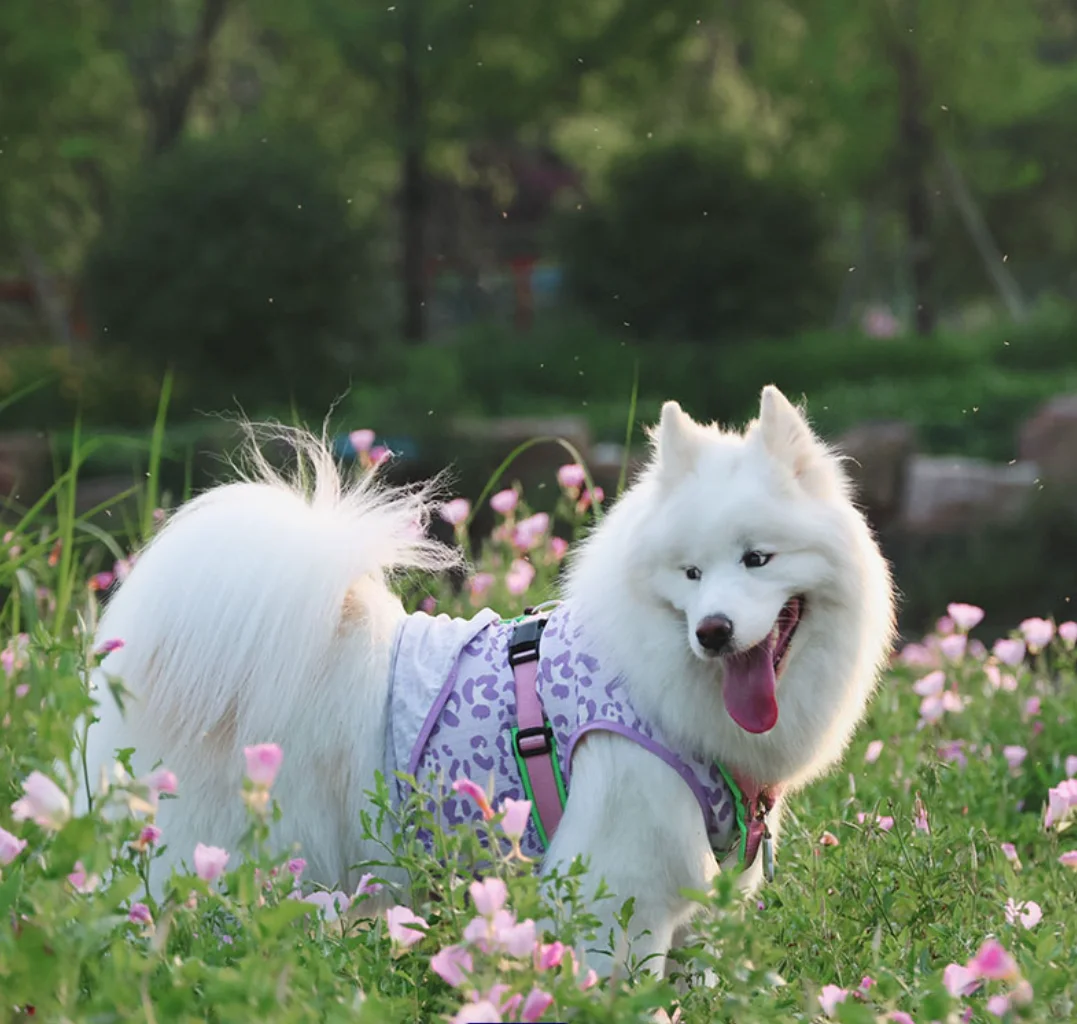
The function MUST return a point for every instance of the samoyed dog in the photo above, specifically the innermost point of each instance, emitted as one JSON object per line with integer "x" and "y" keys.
{"x": 721, "y": 632}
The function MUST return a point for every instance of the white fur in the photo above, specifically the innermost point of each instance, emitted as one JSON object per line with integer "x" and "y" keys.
{"x": 262, "y": 614}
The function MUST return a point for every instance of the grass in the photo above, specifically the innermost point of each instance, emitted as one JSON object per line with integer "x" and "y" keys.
{"x": 878, "y": 909}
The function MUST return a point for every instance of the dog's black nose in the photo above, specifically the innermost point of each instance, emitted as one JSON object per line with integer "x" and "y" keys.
{"x": 714, "y": 633}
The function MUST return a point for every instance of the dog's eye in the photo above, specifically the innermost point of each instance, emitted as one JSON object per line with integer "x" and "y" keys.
{"x": 755, "y": 559}
{"x": 693, "y": 573}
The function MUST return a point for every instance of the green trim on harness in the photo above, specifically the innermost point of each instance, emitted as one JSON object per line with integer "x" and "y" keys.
{"x": 525, "y": 779}
{"x": 739, "y": 810}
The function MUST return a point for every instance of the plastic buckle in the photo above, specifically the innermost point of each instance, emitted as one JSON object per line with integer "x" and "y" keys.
{"x": 545, "y": 731}
{"x": 524, "y": 645}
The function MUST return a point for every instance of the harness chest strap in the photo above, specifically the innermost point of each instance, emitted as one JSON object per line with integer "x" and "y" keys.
{"x": 534, "y": 749}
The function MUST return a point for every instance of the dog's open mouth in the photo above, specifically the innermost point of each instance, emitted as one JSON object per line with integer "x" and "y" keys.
{"x": 750, "y": 677}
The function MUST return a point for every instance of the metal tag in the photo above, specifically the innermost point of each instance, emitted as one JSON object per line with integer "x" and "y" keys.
{"x": 768, "y": 856}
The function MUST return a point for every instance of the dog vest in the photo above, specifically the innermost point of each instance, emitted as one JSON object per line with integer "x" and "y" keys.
{"x": 453, "y": 715}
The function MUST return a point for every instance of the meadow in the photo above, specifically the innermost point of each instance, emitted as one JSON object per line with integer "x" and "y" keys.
{"x": 933, "y": 877}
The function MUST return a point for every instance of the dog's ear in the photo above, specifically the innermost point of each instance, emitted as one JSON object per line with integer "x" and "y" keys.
{"x": 786, "y": 434}
{"x": 674, "y": 440}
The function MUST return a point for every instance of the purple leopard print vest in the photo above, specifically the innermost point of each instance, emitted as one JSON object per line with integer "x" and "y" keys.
{"x": 452, "y": 707}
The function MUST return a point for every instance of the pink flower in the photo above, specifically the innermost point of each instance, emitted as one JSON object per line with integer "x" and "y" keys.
{"x": 993, "y": 962}
{"x": 829, "y": 839}
{"x": 1032, "y": 707}
{"x": 10, "y": 847}
{"x": 559, "y": 547}
{"x": 998, "y": 1006}
{"x": 331, "y": 904}
{"x": 931, "y": 685}
{"x": 589, "y": 980}
{"x": 42, "y": 802}
{"x": 162, "y": 781}
{"x": 998, "y": 679}
{"x": 1009, "y": 851}
{"x": 1009, "y": 652}
{"x": 1067, "y": 632}
{"x": 210, "y": 862}
{"x": 519, "y": 577}
{"x": 875, "y": 748}
{"x": 379, "y": 454}
{"x": 82, "y": 881}
{"x": 149, "y": 836}
{"x": 1015, "y": 756}
{"x": 139, "y": 914}
{"x": 361, "y": 440}
{"x": 535, "y": 1005}
{"x": 530, "y": 531}
{"x": 505, "y": 502}
{"x": 1028, "y": 913}
{"x": 830, "y": 997}
{"x": 479, "y": 584}
{"x": 960, "y": 981}
{"x": 953, "y": 646}
{"x": 866, "y": 984}
{"x": 548, "y": 955}
{"x": 452, "y": 964}
{"x": 571, "y": 477}
{"x": 398, "y": 921}
{"x": 102, "y": 581}
{"x": 597, "y": 496}
{"x": 476, "y": 792}
{"x": 263, "y": 763}
{"x": 1069, "y": 859}
{"x": 455, "y": 512}
{"x": 481, "y": 1012}
{"x": 954, "y": 751}
{"x": 1071, "y": 766}
{"x": 884, "y": 821}
{"x": 965, "y": 616}
{"x": 296, "y": 867}
{"x": 109, "y": 646}
{"x": 1061, "y": 799}
{"x": 366, "y": 887}
{"x": 428, "y": 604}
{"x": 920, "y": 821}
{"x": 917, "y": 654}
{"x": 502, "y": 933}
{"x": 515, "y": 817}
{"x": 489, "y": 896}
{"x": 1037, "y": 633}
{"x": 944, "y": 626}
{"x": 900, "y": 1017}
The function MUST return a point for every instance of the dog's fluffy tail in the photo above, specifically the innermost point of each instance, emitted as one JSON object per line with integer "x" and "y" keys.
{"x": 257, "y": 605}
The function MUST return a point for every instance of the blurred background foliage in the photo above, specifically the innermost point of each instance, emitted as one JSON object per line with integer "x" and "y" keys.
{"x": 423, "y": 211}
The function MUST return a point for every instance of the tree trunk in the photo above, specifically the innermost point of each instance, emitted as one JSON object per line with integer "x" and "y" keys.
{"x": 914, "y": 161}
{"x": 413, "y": 175}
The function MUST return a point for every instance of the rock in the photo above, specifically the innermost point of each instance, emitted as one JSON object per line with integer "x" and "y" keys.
{"x": 879, "y": 454}
{"x": 537, "y": 466}
{"x": 92, "y": 492}
{"x": 1049, "y": 438}
{"x": 950, "y": 493}
{"x": 606, "y": 462}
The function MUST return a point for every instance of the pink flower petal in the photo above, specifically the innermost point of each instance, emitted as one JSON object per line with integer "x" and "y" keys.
{"x": 398, "y": 923}
{"x": 263, "y": 763}
{"x": 210, "y": 862}
{"x": 830, "y": 996}
{"x": 965, "y": 616}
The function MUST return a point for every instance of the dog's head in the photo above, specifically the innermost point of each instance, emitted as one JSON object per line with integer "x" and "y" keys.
{"x": 742, "y": 542}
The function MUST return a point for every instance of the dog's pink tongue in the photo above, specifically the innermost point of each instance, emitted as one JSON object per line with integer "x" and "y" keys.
{"x": 748, "y": 689}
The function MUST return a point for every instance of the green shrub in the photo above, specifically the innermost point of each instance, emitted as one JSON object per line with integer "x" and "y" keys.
{"x": 235, "y": 261}
{"x": 686, "y": 242}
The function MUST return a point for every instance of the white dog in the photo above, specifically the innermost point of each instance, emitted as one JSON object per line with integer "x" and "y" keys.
{"x": 732, "y": 609}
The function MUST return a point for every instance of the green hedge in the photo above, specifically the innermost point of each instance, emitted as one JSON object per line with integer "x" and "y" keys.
{"x": 965, "y": 393}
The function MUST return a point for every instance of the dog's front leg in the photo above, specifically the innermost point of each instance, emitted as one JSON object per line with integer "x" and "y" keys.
{"x": 638, "y": 825}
